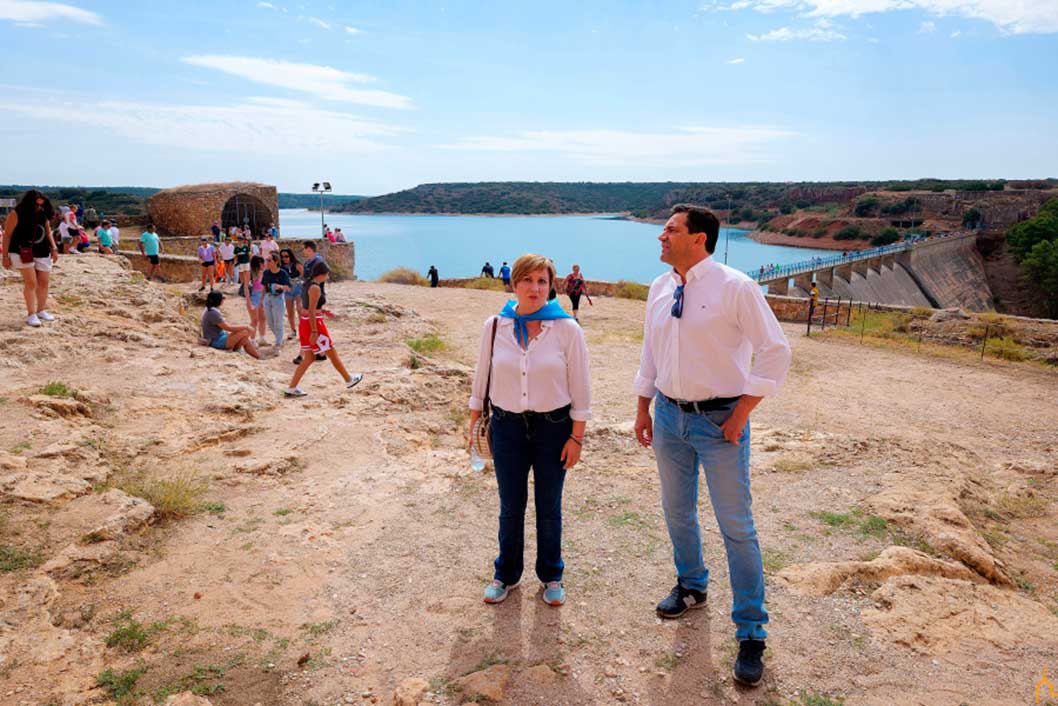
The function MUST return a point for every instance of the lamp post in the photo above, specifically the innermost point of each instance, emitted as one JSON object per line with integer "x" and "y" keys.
{"x": 322, "y": 187}
{"x": 727, "y": 231}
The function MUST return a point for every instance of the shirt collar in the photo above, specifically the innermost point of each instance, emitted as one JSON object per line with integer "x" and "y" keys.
{"x": 697, "y": 272}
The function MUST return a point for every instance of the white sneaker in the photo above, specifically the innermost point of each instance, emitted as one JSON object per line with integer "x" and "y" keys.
{"x": 43, "y": 315}
{"x": 32, "y": 320}
{"x": 261, "y": 343}
{"x": 294, "y": 392}
{"x": 354, "y": 380}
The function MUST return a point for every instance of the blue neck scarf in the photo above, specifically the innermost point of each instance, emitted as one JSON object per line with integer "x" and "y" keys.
{"x": 548, "y": 312}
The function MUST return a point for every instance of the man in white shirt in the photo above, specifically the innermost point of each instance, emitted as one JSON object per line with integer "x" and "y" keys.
{"x": 115, "y": 234}
{"x": 712, "y": 349}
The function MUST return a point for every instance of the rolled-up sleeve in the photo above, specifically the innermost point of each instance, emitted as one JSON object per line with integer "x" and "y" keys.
{"x": 578, "y": 376}
{"x": 771, "y": 350}
{"x": 648, "y": 371}
{"x": 483, "y": 368}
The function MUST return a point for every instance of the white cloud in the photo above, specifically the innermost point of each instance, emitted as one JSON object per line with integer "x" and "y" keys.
{"x": 269, "y": 5}
{"x": 822, "y": 31}
{"x": 321, "y": 81}
{"x": 352, "y": 30}
{"x": 260, "y": 126}
{"x": 319, "y": 23}
{"x": 1010, "y": 16}
{"x": 29, "y": 13}
{"x": 955, "y": 34}
{"x": 927, "y": 28}
{"x": 684, "y": 146}
{"x": 739, "y": 60}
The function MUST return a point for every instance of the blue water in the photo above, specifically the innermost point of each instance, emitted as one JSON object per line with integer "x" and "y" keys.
{"x": 604, "y": 247}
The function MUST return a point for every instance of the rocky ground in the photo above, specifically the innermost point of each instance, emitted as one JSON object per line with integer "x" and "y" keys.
{"x": 340, "y": 543}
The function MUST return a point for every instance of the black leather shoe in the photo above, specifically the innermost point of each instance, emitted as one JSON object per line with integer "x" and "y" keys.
{"x": 749, "y": 667}
{"x": 679, "y": 601}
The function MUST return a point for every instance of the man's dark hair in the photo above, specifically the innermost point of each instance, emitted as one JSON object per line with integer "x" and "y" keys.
{"x": 700, "y": 220}
{"x": 310, "y": 245}
{"x": 213, "y": 299}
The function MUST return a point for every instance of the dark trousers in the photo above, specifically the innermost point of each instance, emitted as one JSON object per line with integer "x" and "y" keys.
{"x": 520, "y": 442}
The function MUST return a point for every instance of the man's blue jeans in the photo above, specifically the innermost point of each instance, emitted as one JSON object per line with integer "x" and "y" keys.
{"x": 521, "y": 441}
{"x": 682, "y": 441}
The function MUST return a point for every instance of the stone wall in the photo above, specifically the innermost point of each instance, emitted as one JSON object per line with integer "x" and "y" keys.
{"x": 595, "y": 287}
{"x": 175, "y": 268}
{"x": 191, "y": 210}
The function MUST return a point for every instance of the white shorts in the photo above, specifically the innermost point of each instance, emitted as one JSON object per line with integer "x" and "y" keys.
{"x": 244, "y": 267}
{"x": 40, "y": 264}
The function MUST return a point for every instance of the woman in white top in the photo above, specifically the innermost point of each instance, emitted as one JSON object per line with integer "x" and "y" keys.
{"x": 539, "y": 390}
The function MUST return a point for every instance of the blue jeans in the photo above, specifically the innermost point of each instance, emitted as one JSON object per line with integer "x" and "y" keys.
{"x": 521, "y": 441}
{"x": 682, "y": 441}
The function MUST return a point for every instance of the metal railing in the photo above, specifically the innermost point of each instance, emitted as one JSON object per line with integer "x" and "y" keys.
{"x": 766, "y": 274}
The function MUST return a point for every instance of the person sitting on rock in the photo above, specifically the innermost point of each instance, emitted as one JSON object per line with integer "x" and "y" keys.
{"x": 220, "y": 335}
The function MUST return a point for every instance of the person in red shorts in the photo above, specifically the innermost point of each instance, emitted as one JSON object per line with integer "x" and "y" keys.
{"x": 315, "y": 339}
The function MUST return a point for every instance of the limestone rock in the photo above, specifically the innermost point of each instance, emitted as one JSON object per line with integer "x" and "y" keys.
{"x": 949, "y": 315}
{"x": 489, "y": 683}
{"x": 934, "y": 513}
{"x": 37, "y": 486}
{"x": 275, "y": 467}
{"x": 824, "y": 578}
{"x": 62, "y": 406}
{"x": 539, "y": 675}
{"x": 930, "y": 614}
{"x": 11, "y": 462}
{"x": 78, "y": 559}
{"x": 186, "y": 698}
{"x": 409, "y": 692}
{"x": 126, "y": 514}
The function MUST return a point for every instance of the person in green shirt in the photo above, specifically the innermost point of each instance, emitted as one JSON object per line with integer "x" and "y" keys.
{"x": 151, "y": 247}
{"x": 242, "y": 265}
{"x": 106, "y": 243}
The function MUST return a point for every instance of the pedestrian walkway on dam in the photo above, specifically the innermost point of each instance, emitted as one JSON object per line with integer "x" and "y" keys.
{"x": 938, "y": 271}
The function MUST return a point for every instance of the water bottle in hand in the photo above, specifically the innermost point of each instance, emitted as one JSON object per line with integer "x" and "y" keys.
{"x": 477, "y": 463}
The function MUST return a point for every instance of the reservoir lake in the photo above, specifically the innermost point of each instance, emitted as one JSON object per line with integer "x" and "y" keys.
{"x": 605, "y": 247}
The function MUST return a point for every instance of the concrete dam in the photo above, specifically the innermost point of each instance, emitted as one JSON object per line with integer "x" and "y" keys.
{"x": 939, "y": 272}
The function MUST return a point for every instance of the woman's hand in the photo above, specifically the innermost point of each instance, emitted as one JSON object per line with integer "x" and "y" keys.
{"x": 570, "y": 453}
{"x": 7, "y": 261}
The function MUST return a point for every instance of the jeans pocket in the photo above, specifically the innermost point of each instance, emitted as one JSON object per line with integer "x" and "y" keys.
{"x": 558, "y": 416}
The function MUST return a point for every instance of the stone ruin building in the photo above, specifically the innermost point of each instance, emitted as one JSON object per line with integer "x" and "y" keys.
{"x": 191, "y": 210}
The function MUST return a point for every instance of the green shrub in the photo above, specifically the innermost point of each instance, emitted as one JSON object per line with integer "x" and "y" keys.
{"x": 886, "y": 237}
{"x": 786, "y": 208}
{"x": 173, "y": 497}
{"x": 120, "y": 684}
{"x": 16, "y": 559}
{"x": 848, "y": 233}
{"x": 429, "y": 343}
{"x": 487, "y": 283}
{"x": 1006, "y": 349}
{"x": 57, "y": 389}
{"x": 631, "y": 290}
{"x": 404, "y": 275}
{"x": 866, "y": 206}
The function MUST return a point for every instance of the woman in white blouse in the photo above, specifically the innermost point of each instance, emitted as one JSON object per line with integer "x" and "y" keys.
{"x": 541, "y": 400}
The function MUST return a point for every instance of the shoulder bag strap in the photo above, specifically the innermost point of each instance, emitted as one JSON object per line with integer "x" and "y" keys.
{"x": 487, "y": 403}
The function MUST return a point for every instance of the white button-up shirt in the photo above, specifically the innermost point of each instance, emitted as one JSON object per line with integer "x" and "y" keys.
{"x": 727, "y": 343}
{"x": 551, "y": 373}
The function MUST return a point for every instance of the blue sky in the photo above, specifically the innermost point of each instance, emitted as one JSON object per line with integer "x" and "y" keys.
{"x": 377, "y": 97}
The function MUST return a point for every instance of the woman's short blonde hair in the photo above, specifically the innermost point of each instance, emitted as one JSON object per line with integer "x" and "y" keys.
{"x": 530, "y": 263}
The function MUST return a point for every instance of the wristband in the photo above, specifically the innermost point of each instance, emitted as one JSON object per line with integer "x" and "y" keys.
{"x": 579, "y": 442}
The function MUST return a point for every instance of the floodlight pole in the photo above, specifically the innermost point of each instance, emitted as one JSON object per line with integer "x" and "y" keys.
{"x": 727, "y": 230}
{"x": 322, "y": 233}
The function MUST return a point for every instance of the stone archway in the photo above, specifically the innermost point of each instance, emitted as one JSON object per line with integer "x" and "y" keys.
{"x": 242, "y": 210}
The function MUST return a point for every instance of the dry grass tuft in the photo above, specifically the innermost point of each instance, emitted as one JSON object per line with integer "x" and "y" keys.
{"x": 404, "y": 275}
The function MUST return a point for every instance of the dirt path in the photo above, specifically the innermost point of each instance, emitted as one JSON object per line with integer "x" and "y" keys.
{"x": 905, "y": 508}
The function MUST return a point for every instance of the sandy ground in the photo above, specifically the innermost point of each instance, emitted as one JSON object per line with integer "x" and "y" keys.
{"x": 905, "y": 506}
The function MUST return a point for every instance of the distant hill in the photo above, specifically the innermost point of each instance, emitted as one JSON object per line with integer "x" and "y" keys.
{"x": 749, "y": 201}
{"x": 313, "y": 200}
{"x": 518, "y": 198}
